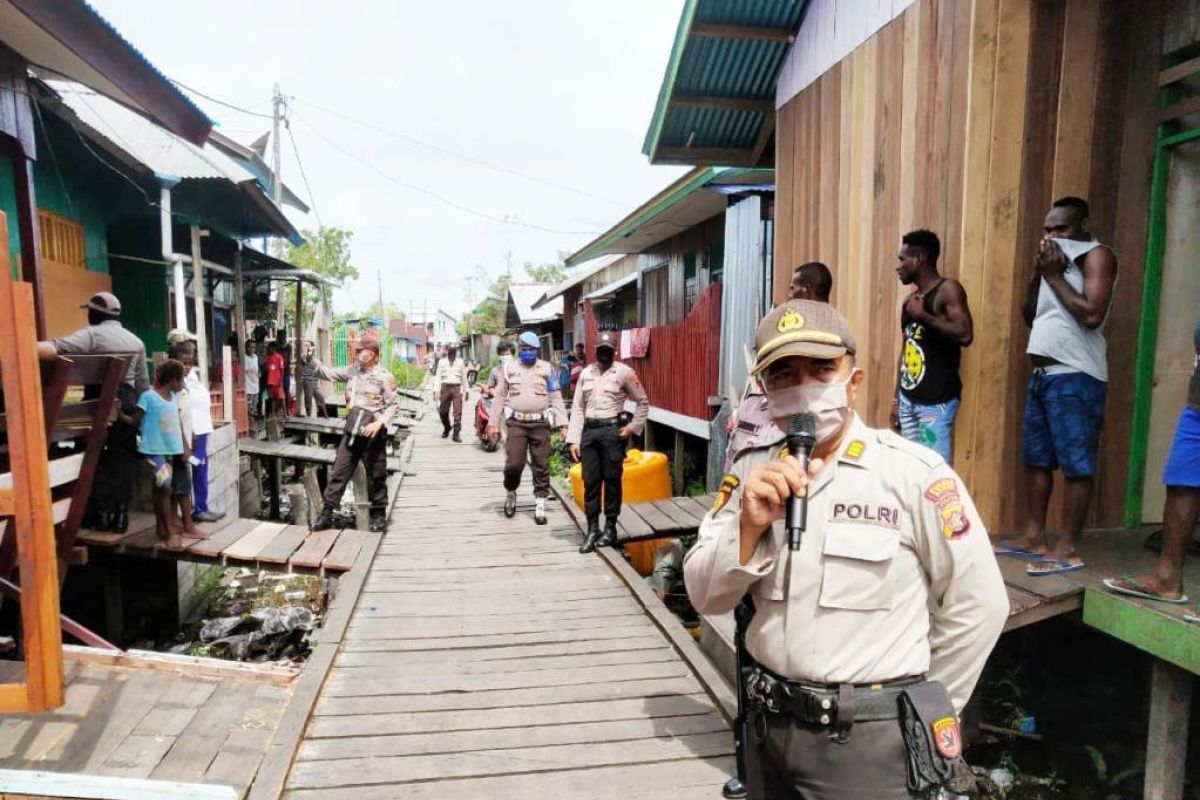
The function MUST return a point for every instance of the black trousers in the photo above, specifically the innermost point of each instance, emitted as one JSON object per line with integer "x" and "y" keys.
{"x": 790, "y": 760}
{"x": 115, "y": 470}
{"x": 602, "y": 452}
{"x": 532, "y": 438}
{"x": 373, "y": 453}
{"x": 451, "y": 397}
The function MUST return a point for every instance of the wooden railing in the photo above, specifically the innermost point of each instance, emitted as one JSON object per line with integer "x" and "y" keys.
{"x": 680, "y": 371}
{"x": 61, "y": 239}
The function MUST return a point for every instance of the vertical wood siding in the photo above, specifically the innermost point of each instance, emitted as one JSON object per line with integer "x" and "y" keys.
{"x": 968, "y": 118}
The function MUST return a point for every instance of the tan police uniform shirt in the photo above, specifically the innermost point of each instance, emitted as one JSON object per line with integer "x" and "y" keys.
{"x": 602, "y": 395}
{"x": 109, "y": 336}
{"x": 752, "y": 424}
{"x": 894, "y": 577}
{"x": 452, "y": 374}
{"x": 528, "y": 390}
{"x": 372, "y": 389}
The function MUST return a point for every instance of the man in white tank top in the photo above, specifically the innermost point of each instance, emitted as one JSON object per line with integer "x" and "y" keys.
{"x": 1066, "y": 304}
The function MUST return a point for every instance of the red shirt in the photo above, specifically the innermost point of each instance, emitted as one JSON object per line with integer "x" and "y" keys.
{"x": 275, "y": 370}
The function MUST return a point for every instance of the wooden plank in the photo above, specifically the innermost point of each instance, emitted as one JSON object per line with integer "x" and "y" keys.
{"x": 282, "y": 546}
{"x": 1166, "y": 742}
{"x": 131, "y": 697}
{"x": 1178, "y": 72}
{"x": 242, "y": 752}
{"x": 1154, "y": 630}
{"x": 687, "y": 779}
{"x": 693, "y": 512}
{"x": 519, "y": 717}
{"x": 638, "y": 730}
{"x": 248, "y": 547}
{"x": 192, "y": 666}
{"x": 613, "y": 630}
{"x": 1048, "y": 587}
{"x": 343, "y": 553}
{"x": 138, "y": 522}
{"x": 657, "y": 520}
{"x": 314, "y": 549}
{"x": 367, "y": 771}
{"x": 650, "y": 640}
{"x": 37, "y": 784}
{"x": 193, "y": 752}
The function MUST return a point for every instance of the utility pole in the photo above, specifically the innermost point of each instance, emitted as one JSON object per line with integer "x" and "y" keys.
{"x": 277, "y": 108}
{"x": 383, "y": 312}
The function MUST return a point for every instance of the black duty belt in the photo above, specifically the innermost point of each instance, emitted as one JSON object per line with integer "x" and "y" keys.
{"x": 600, "y": 422}
{"x": 821, "y": 705}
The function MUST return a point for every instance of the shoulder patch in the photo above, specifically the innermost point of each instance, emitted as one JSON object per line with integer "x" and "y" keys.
{"x": 855, "y": 449}
{"x": 946, "y": 737}
{"x": 728, "y": 484}
{"x": 943, "y": 493}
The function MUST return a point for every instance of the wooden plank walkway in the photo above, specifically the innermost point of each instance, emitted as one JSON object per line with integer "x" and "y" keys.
{"x": 662, "y": 519}
{"x": 486, "y": 658}
{"x": 261, "y": 448}
{"x": 241, "y": 542}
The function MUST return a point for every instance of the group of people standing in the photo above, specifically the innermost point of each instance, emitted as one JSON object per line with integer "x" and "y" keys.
{"x": 268, "y": 377}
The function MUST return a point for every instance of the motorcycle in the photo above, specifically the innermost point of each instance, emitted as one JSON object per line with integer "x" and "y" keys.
{"x": 483, "y": 408}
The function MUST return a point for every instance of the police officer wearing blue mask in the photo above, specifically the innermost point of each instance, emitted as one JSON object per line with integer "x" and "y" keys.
{"x": 529, "y": 403}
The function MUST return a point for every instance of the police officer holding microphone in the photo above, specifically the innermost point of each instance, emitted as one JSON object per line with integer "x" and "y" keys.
{"x": 596, "y": 437}
{"x": 876, "y": 608}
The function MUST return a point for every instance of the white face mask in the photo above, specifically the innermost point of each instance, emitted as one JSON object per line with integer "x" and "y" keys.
{"x": 507, "y": 357}
{"x": 829, "y": 403}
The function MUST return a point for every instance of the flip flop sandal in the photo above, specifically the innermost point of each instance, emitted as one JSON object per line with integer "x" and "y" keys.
{"x": 1191, "y": 617}
{"x": 1052, "y": 566}
{"x": 1005, "y": 548}
{"x": 1128, "y": 586}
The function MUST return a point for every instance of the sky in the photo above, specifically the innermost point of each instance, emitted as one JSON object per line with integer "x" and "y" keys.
{"x": 558, "y": 91}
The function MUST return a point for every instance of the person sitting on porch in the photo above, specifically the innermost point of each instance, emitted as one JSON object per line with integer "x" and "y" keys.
{"x": 1181, "y": 476}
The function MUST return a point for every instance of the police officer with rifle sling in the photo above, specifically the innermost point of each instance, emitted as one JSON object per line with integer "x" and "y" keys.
{"x": 877, "y": 595}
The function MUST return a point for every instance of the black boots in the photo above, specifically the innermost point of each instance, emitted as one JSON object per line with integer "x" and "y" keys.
{"x": 378, "y": 521}
{"x": 120, "y": 518}
{"x": 457, "y": 431}
{"x": 733, "y": 788}
{"x": 593, "y": 536}
{"x": 323, "y": 521}
{"x": 445, "y": 430}
{"x": 510, "y": 505}
{"x": 609, "y": 537}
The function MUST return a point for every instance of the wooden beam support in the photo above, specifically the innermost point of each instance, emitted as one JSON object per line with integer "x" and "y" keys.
{"x": 1166, "y": 741}
{"x": 718, "y": 31}
{"x": 1179, "y": 72}
{"x": 718, "y": 156}
{"x": 764, "y": 137}
{"x": 1180, "y": 109}
{"x": 724, "y": 103}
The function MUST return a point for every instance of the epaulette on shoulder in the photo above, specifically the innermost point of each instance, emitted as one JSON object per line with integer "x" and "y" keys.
{"x": 758, "y": 448}
{"x": 918, "y": 451}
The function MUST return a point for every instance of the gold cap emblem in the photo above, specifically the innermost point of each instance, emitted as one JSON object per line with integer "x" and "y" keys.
{"x": 791, "y": 320}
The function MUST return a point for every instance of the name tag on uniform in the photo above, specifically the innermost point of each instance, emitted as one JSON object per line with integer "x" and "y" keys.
{"x": 748, "y": 427}
{"x": 862, "y": 512}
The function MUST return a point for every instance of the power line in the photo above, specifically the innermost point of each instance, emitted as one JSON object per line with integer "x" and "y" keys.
{"x": 212, "y": 99}
{"x": 506, "y": 220}
{"x": 304, "y": 176}
{"x": 464, "y": 157}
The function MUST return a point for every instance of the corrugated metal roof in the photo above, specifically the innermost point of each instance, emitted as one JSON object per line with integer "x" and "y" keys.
{"x": 721, "y": 65}
{"x": 524, "y": 295}
{"x": 582, "y": 274}
{"x": 612, "y": 288}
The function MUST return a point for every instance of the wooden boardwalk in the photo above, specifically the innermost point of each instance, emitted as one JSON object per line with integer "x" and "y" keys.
{"x": 486, "y": 658}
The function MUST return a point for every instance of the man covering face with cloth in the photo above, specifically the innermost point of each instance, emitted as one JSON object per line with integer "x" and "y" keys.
{"x": 868, "y": 639}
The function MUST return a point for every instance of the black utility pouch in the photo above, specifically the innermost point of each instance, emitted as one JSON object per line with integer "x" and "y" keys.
{"x": 357, "y": 419}
{"x": 932, "y": 740}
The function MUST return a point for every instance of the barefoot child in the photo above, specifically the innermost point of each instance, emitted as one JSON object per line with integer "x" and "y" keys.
{"x": 157, "y": 417}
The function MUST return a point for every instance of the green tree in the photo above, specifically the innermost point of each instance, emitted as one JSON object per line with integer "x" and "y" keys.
{"x": 325, "y": 251}
{"x": 546, "y": 273}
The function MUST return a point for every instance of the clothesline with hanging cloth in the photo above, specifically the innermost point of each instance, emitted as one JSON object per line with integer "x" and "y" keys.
{"x": 635, "y": 343}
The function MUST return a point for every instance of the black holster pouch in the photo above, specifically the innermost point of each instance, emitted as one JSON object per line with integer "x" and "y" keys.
{"x": 356, "y": 420}
{"x": 932, "y": 741}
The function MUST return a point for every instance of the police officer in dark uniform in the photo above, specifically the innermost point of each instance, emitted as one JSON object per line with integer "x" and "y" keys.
{"x": 597, "y": 438}
{"x": 108, "y": 508}
{"x": 373, "y": 403}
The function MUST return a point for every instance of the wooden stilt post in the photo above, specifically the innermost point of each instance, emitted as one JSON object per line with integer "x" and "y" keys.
{"x": 1166, "y": 742}
{"x": 677, "y": 475}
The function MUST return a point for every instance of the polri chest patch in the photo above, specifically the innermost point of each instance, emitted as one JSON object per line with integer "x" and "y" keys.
{"x": 864, "y": 512}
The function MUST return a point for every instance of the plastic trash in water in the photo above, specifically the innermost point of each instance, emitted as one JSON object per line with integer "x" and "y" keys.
{"x": 1026, "y": 724}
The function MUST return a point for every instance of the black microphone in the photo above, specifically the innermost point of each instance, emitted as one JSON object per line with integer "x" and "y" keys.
{"x": 801, "y": 437}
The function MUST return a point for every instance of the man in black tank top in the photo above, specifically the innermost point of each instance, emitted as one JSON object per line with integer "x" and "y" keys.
{"x": 936, "y": 324}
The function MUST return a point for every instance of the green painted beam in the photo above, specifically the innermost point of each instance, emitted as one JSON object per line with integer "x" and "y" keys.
{"x": 1143, "y": 378}
{"x": 1153, "y": 632}
{"x": 650, "y": 146}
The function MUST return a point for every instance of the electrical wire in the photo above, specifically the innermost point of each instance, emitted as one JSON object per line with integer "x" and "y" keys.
{"x": 463, "y": 156}
{"x": 312, "y": 200}
{"x": 506, "y": 220}
{"x": 212, "y": 99}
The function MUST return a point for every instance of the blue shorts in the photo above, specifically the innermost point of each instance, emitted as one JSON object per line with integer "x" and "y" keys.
{"x": 1061, "y": 427}
{"x": 1183, "y": 463}
{"x": 930, "y": 425}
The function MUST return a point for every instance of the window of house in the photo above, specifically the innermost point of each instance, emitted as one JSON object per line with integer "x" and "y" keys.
{"x": 655, "y": 296}
{"x": 61, "y": 239}
{"x": 691, "y": 285}
{"x": 716, "y": 262}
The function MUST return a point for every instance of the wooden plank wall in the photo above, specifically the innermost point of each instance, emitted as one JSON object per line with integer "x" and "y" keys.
{"x": 968, "y": 118}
